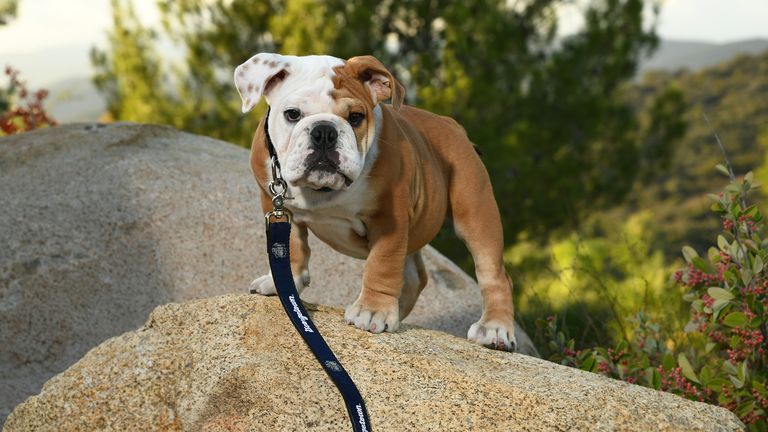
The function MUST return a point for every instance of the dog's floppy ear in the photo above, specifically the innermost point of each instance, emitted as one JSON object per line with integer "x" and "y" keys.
{"x": 258, "y": 75}
{"x": 380, "y": 80}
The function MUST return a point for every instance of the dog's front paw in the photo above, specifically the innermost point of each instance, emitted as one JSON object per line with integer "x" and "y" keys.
{"x": 384, "y": 315}
{"x": 264, "y": 285}
{"x": 494, "y": 334}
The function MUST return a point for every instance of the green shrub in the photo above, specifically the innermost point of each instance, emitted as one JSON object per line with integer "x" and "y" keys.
{"x": 596, "y": 279}
{"x": 724, "y": 360}
{"x": 22, "y": 110}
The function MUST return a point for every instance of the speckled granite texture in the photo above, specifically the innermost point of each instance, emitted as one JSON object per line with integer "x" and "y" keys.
{"x": 235, "y": 363}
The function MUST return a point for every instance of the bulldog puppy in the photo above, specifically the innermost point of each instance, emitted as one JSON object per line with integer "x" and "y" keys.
{"x": 375, "y": 181}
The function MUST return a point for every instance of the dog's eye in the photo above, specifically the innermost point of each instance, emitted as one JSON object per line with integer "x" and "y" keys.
{"x": 356, "y": 119}
{"x": 292, "y": 115}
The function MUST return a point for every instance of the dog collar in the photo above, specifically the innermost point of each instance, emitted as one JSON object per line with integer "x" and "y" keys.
{"x": 276, "y": 186}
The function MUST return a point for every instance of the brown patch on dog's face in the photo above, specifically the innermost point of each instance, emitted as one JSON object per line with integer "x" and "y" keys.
{"x": 353, "y": 97}
{"x": 357, "y": 110}
{"x": 359, "y": 85}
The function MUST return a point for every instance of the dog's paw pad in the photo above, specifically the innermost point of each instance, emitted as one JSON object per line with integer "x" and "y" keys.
{"x": 494, "y": 335}
{"x": 263, "y": 285}
{"x": 374, "y": 321}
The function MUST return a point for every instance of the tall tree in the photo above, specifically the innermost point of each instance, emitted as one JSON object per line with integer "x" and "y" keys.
{"x": 8, "y": 10}
{"x": 131, "y": 76}
{"x": 551, "y": 116}
{"x": 7, "y": 13}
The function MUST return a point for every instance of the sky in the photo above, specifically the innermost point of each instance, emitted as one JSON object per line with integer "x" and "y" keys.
{"x": 42, "y": 24}
{"x": 79, "y": 24}
{"x": 714, "y": 20}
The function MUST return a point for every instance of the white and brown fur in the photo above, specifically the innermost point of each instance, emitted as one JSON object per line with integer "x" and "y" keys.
{"x": 399, "y": 174}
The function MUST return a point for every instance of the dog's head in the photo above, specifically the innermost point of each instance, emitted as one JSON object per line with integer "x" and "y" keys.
{"x": 323, "y": 113}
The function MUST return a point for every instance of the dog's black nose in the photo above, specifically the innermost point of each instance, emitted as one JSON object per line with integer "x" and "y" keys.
{"x": 324, "y": 136}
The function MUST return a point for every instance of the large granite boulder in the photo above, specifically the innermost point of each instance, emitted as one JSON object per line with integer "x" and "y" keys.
{"x": 99, "y": 224}
{"x": 235, "y": 363}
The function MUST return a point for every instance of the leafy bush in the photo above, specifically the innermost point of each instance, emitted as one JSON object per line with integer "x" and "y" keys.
{"x": 725, "y": 360}
{"x": 20, "y": 109}
{"x": 596, "y": 280}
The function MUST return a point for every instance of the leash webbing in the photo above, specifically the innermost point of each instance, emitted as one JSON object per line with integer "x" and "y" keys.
{"x": 278, "y": 241}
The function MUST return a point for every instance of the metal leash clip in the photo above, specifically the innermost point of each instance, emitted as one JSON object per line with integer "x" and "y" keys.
{"x": 277, "y": 187}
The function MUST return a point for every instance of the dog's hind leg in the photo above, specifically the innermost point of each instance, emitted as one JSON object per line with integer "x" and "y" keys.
{"x": 477, "y": 222}
{"x": 415, "y": 279}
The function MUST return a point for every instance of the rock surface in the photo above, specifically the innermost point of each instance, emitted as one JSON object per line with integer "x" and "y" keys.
{"x": 101, "y": 223}
{"x": 235, "y": 363}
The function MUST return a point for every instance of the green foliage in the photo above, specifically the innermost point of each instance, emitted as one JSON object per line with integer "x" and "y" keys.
{"x": 553, "y": 119}
{"x": 595, "y": 281}
{"x": 131, "y": 76}
{"x": 734, "y": 95}
{"x": 761, "y": 174}
{"x": 674, "y": 209}
{"x": 729, "y": 304}
{"x": 8, "y": 11}
{"x": 22, "y": 110}
{"x": 633, "y": 360}
{"x": 725, "y": 358}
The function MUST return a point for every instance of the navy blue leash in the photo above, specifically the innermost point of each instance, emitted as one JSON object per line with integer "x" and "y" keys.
{"x": 278, "y": 242}
{"x": 278, "y": 239}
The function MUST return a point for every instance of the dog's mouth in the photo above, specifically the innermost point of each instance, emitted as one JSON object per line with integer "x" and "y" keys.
{"x": 322, "y": 172}
{"x": 325, "y": 178}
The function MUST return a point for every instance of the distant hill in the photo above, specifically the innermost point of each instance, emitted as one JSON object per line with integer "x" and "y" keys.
{"x": 734, "y": 96}
{"x": 676, "y": 54}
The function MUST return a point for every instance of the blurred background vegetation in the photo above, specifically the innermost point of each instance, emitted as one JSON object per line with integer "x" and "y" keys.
{"x": 601, "y": 171}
